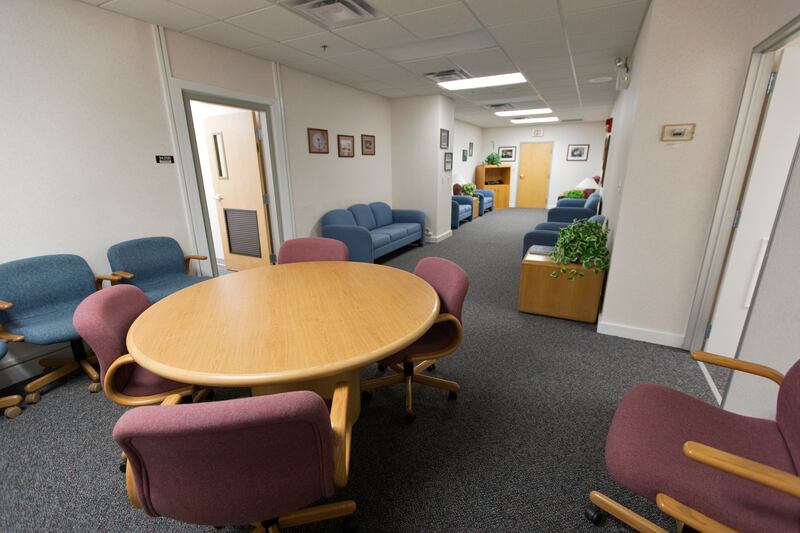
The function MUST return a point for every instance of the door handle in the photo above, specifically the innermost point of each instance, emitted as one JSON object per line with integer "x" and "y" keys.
{"x": 522, "y": 176}
{"x": 218, "y": 197}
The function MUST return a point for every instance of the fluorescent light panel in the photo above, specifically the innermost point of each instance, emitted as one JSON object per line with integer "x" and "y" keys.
{"x": 533, "y": 120}
{"x": 485, "y": 81}
{"x": 524, "y": 112}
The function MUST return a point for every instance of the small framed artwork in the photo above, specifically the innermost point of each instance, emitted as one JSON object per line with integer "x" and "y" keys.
{"x": 317, "y": 141}
{"x": 448, "y": 161}
{"x": 464, "y": 155}
{"x": 577, "y": 152}
{"x": 367, "y": 144}
{"x": 347, "y": 146}
{"x": 507, "y": 153}
{"x": 677, "y": 132}
{"x": 470, "y": 149}
{"x": 444, "y": 138}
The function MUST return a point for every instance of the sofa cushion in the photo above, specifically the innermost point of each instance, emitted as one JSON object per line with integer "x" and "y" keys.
{"x": 379, "y": 239}
{"x": 465, "y": 209}
{"x": 338, "y": 216}
{"x": 412, "y": 228}
{"x": 394, "y": 231}
{"x": 363, "y": 215}
{"x": 382, "y": 213}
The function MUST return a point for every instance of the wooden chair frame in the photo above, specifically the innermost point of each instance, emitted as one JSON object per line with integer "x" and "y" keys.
{"x": 342, "y": 429}
{"x": 409, "y": 373}
{"x": 713, "y": 457}
{"x": 109, "y": 386}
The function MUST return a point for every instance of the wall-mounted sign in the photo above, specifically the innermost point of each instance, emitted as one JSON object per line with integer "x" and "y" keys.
{"x": 165, "y": 159}
{"x": 537, "y": 132}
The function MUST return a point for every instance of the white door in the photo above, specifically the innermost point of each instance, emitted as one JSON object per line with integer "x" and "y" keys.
{"x": 769, "y": 170}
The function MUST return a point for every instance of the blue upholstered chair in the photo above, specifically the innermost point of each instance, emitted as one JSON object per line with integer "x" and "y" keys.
{"x": 546, "y": 234}
{"x": 486, "y": 200}
{"x": 9, "y": 404}
{"x": 38, "y": 296}
{"x": 567, "y": 214}
{"x": 154, "y": 264}
{"x": 461, "y": 209}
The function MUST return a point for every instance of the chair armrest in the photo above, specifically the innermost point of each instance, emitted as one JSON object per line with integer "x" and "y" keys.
{"x": 172, "y": 399}
{"x": 623, "y": 514}
{"x": 540, "y": 238}
{"x": 690, "y": 517}
{"x": 568, "y": 214}
{"x": 98, "y": 280}
{"x": 485, "y": 192}
{"x": 342, "y": 431}
{"x": 571, "y": 202}
{"x": 450, "y": 348}
{"x": 737, "y": 364}
{"x": 187, "y": 259}
{"x": 744, "y": 468}
{"x": 464, "y": 200}
{"x": 357, "y": 239}
{"x": 10, "y": 337}
{"x": 109, "y": 386}
{"x": 123, "y": 275}
{"x": 409, "y": 215}
{"x": 130, "y": 485}
{"x": 5, "y": 306}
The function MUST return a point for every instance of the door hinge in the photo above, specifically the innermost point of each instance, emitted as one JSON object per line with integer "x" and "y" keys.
{"x": 273, "y": 259}
{"x": 265, "y": 199}
{"x": 771, "y": 82}
{"x": 736, "y": 216}
{"x": 708, "y": 331}
{"x": 259, "y": 135}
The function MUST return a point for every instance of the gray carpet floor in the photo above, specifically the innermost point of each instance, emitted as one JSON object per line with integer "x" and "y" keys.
{"x": 518, "y": 451}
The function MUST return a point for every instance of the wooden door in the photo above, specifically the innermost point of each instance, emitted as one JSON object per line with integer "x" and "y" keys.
{"x": 534, "y": 174}
{"x": 239, "y": 189}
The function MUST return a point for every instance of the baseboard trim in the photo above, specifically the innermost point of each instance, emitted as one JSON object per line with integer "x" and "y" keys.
{"x": 439, "y": 238}
{"x": 640, "y": 334}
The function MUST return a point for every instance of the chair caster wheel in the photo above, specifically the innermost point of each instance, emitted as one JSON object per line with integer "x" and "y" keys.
{"x": 431, "y": 368}
{"x": 593, "y": 514}
{"x": 349, "y": 524}
{"x": 12, "y": 412}
{"x": 366, "y": 395}
{"x": 410, "y": 417}
{"x": 123, "y": 466}
{"x": 33, "y": 397}
{"x": 382, "y": 367}
{"x": 95, "y": 387}
{"x": 452, "y": 395}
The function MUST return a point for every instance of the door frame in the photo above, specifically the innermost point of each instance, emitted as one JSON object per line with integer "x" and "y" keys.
{"x": 733, "y": 181}
{"x": 282, "y": 225}
{"x": 549, "y": 174}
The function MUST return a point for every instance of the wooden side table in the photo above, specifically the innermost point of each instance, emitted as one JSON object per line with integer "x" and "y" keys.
{"x": 541, "y": 294}
{"x": 475, "y": 203}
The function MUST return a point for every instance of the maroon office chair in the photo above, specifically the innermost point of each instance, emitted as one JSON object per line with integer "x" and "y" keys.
{"x": 442, "y": 339}
{"x": 312, "y": 249}
{"x": 710, "y": 469}
{"x": 103, "y": 320}
{"x": 258, "y": 460}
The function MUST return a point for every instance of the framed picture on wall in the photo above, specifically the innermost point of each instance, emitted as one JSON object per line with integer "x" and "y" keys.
{"x": 507, "y": 153}
{"x": 317, "y": 141}
{"x": 367, "y": 144}
{"x": 347, "y": 145}
{"x": 448, "y": 161}
{"x": 464, "y": 155}
{"x": 470, "y": 149}
{"x": 444, "y": 138}
{"x": 577, "y": 152}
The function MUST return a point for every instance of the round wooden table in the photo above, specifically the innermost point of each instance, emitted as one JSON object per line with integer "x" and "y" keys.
{"x": 301, "y": 326}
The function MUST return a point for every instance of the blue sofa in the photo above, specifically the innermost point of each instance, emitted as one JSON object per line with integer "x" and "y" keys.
{"x": 546, "y": 234}
{"x": 485, "y": 200}
{"x": 371, "y": 231}
{"x": 576, "y": 209}
{"x": 461, "y": 209}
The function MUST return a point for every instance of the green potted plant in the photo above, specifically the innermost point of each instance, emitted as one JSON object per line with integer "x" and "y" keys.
{"x": 574, "y": 193}
{"x": 583, "y": 242}
{"x": 493, "y": 159}
{"x": 468, "y": 189}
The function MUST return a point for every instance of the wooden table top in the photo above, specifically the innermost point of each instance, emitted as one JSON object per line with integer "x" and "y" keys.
{"x": 283, "y": 324}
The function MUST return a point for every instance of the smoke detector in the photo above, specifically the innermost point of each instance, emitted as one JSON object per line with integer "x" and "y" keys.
{"x": 448, "y": 75}
{"x": 334, "y": 13}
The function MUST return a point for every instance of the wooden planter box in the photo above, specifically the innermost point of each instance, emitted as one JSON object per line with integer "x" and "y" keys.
{"x": 541, "y": 294}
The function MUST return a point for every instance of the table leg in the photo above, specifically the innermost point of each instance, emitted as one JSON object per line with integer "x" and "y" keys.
{"x": 324, "y": 387}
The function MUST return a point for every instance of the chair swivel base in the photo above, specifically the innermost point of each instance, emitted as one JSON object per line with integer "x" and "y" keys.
{"x": 10, "y": 405}
{"x": 57, "y": 367}
{"x": 309, "y": 515}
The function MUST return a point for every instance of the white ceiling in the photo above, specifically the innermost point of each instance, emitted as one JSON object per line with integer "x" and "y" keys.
{"x": 558, "y": 44}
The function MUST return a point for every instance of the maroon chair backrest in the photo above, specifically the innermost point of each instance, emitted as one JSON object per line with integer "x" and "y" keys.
{"x": 449, "y": 280}
{"x": 312, "y": 249}
{"x": 231, "y": 462}
{"x": 103, "y": 320}
{"x": 788, "y": 412}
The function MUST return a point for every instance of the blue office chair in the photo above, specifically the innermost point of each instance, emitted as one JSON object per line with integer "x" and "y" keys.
{"x": 37, "y": 298}
{"x": 154, "y": 264}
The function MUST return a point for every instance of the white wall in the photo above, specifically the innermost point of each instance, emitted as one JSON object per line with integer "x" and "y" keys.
{"x": 691, "y": 59}
{"x": 564, "y": 175}
{"x": 463, "y": 134}
{"x": 321, "y": 182}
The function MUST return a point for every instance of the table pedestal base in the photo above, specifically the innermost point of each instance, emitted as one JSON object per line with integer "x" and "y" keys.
{"x": 324, "y": 387}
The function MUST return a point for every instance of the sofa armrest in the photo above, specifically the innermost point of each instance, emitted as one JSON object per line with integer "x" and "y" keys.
{"x": 464, "y": 200}
{"x": 485, "y": 192}
{"x": 551, "y": 226}
{"x": 454, "y": 222}
{"x": 568, "y": 214}
{"x": 357, "y": 239}
{"x": 409, "y": 215}
{"x": 540, "y": 238}
{"x": 571, "y": 202}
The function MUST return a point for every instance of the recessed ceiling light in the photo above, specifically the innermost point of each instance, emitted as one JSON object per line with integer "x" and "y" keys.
{"x": 600, "y": 79}
{"x": 524, "y": 112}
{"x": 484, "y": 81}
{"x": 533, "y": 120}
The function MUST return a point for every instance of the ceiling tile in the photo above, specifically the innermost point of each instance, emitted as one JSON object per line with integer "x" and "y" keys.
{"x": 571, "y": 6}
{"x": 313, "y": 45}
{"x": 614, "y": 18}
{"x": 439, "y": 21}
{"x": 360, "y": 60}
{"x": 377, "y": 34}
{"x": 547, "y": 69}
{"x": 330, "y": 71}
{"x": 279, "y": 53}
{"x": 425, "y": 66}
{"x": 484, "y": 63}
{"x": 493, "y": 12}
{"x": 598, "y": 57}
{"x": 586, "y": 42}
{"x": 371, "y": 85}
{"x": 223, "y": 10}
{"x": 276, "y": 23}
{"x": 227, "y": 35}
{"x": 392, "y": 93}
{"x": 94, "y": 2}
{"x": 522, "y": 53}
{"x": 401, "y": 7}
{"x": 161, "y": 12}
{"x": 530, "y": 31}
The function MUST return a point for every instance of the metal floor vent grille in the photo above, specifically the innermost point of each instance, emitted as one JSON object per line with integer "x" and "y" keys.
{"x": 242, "y": 228}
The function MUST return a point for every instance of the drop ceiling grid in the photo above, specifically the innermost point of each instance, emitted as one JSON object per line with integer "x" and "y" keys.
{"x": 557, "y": 61}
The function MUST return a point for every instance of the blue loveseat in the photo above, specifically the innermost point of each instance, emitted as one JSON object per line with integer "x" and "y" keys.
{"x": 485, "y": 200}
{"x": 546, "y": 234}
{"x": 373, "y": 230}
{"x": 461, "y": 209}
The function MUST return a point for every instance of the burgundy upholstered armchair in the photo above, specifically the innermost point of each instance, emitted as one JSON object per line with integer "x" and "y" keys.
{"x": 312, "y": 249}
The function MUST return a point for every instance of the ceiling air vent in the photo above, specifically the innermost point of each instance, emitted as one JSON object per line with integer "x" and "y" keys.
{"x": 334, "y": 13}
{"x": 500, "y": 107}
{"x": 448, "y": 75}
{"x": 571, "y": 120}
